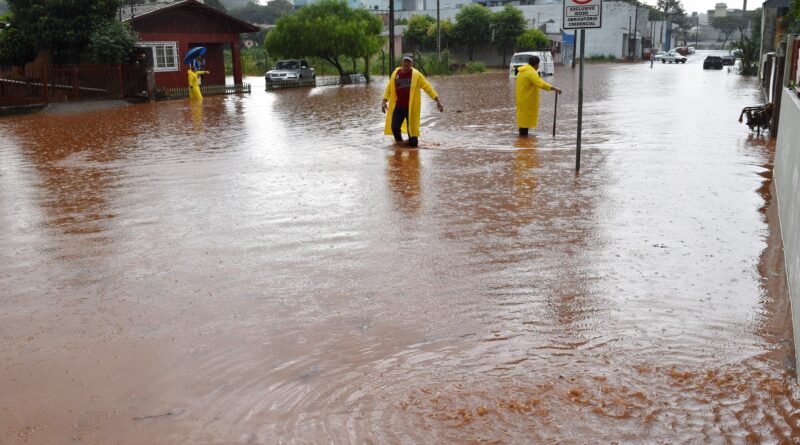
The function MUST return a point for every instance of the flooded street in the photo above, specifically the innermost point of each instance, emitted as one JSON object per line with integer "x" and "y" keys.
{"x": 271, "y": 268}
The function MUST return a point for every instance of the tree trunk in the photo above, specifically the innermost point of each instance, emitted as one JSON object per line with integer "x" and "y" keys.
{"x": 366, "y": 68}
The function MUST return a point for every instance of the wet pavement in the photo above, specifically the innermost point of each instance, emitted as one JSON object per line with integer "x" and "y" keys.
{"x": 272, "y": 269}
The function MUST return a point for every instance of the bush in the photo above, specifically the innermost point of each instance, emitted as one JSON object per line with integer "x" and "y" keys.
{"x": 475, "y": 67}
{"x": 112, "y": 42}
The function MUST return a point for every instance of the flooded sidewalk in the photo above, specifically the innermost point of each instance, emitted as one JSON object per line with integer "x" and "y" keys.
{"x": 271, "y": 268}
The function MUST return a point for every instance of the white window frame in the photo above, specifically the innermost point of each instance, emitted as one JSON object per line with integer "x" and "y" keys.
{"x": 167, "y": 66}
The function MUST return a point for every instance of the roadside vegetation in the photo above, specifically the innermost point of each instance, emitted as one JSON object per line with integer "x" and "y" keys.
{"x": 70, "y": 31}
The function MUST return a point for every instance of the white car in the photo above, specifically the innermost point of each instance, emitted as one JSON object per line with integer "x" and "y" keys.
{"x": 546, "y": 65}
{"x": 673, "y": 57}
{"x": 290, "y": 70}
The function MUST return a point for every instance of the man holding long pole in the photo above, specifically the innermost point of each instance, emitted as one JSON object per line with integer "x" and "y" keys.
{"x": 528, "y": 85}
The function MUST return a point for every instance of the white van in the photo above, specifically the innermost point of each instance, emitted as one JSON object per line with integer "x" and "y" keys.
{"x": 546, "y": 65}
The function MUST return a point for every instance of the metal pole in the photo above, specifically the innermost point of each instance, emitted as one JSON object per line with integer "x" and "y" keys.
{"x": 391, "y": 36}
{"x": 438, "y": 34}
{"x": 636, "y": 33}
{"x": 574, "y": 46}
{"x": 630, "y": 54}
{"x": 580, "y": 105}
{"x": 555, "y": 114}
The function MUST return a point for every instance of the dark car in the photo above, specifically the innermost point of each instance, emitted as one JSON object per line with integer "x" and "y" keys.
{"x": 728, "y": 60}
{"x": 714, "y": 62}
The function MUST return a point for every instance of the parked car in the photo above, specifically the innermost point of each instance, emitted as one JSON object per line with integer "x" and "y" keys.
{"x": 712, "y": 62}
{"x": 660, "y": 56}
{"x": 674, "y": 56}
{"x": 737, "y": 53}
{"x": 290, "y": 70}
{"x": 728, "y": 60}
{"x": 691, "y": 50}
{"x": 682, "y": 50}
{"x": 546, "y": 65}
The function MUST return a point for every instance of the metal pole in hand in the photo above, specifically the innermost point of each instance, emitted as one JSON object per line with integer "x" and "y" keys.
{"x": 555, "y": 114}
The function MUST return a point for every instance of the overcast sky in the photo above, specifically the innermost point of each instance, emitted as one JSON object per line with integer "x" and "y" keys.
{"x": 701, "y": 6}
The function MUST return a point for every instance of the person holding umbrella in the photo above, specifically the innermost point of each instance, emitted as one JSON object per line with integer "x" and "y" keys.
{"x": 193, "y": 73}
{"x": 402, "y": 100}
{"x": 527, "y": 95}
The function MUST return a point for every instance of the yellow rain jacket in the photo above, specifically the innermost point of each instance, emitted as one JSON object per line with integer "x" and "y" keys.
{"x": 194, "y": 84}
{"x": 417, "y": 82}
{"x": 528, "y": 84}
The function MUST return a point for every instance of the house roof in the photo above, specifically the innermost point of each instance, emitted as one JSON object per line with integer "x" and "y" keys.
{"x": 136, "y": 12}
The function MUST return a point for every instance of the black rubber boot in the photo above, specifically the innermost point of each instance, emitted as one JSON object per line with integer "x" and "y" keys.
{"x": 413, "y": 142}
{"x": 523, "y": 131}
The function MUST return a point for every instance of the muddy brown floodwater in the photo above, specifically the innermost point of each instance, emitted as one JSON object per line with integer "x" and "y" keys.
{"x": 270, "y": 268}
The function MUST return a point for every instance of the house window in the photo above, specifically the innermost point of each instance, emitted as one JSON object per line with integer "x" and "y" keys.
{"x": 165, "y": 55}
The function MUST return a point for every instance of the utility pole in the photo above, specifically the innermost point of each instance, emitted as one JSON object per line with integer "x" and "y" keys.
{"x": 636, "y": 30}
{"x": 630, "y": 53}
{"x": 391, "y": 36}
{"x": 438, "y": 34}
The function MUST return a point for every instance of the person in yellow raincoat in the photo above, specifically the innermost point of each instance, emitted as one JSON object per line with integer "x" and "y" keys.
{"x": 194, "y": 83}
{"x": 403, "y": 98}
{"x": 528, "y": 85}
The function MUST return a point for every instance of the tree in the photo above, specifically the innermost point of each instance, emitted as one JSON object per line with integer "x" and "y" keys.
{"x": 63, "y": 27}
{"x": 328, "y": 29}
{"x": 507, "y": 26}
{"x": 16, "y": 47}
{"x": 727, "y": 25}
{"x": 111, "y": 42}
{"x": 749, "y": 47}
{"x": 791, "y": 21}
{"x": 532, "y": 39}
{"x": 473, "y": 27}
{"x": 416, "y": 35}
{"x": 447, "y": 30}
{"x": 673, "y": 13}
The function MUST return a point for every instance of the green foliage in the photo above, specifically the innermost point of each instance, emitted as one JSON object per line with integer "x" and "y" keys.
{"x": 754, "y": 17}
{"x": 269, "y": 14}
{"x": 111, "y": 42}
{"x": 437, "y": 66}
{"x": 508, "y": 25}
{"x": 791, "y": 21}
{"x": 473, "y": 27}
{"x": 447, "y": 31}
{"x": 749, "y": 47}
{"x": 16, "y": 47}
{"x": 255, "y": 62}
{"x": 416, "y": 35}
{"x": 532, "y": 39}
{"x": 728, "y": 25}
{"x": 475, "y": 67}
{"x": 329, "y": 30}
{"x": 672, "y": 9}
{"x": 64, "y": 27}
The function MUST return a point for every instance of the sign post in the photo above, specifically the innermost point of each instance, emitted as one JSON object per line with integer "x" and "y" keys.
{"x": 582, "y": 14}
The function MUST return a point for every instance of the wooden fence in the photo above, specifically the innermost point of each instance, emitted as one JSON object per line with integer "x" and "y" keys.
{"x": 206, "y": 90}
{"x": 42, "y": 85}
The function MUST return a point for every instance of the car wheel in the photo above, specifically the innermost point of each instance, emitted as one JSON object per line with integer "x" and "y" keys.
{"x": 683, "y": 61}
{"x": 663, "y": 61}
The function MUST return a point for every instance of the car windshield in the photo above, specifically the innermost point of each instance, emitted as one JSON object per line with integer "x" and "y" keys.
{"x": 712, "y": 58}
{"x": 287, "y": 65}
{"x": 520, "y": 58}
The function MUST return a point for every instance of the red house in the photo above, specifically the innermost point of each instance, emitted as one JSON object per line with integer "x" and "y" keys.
{"x": 168, "y": 30}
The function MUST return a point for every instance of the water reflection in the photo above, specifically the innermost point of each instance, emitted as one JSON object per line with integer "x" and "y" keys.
{"x": 403, "y": 174}
{"x": 274, "y": 270}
